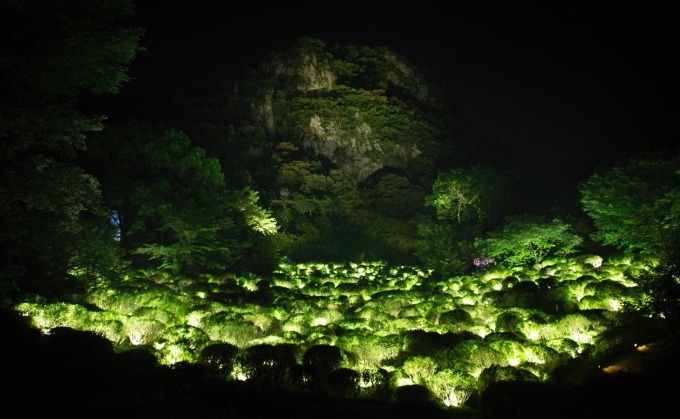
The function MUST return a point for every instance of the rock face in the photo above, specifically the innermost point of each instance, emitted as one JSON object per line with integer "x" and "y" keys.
{"x": 358, "y": 107}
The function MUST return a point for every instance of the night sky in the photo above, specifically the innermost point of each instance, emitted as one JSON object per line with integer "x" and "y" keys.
{"x": 567, "y": 86}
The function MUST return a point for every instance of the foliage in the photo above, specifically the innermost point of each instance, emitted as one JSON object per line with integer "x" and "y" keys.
{"x": 661, "y": 288}
{"x": 319, "y": 121}
{"x": 369, "y": 316}
{"x": 466, "y": 195}
{"x": 52, "y": 53}
{"x": 172, "y": 203}
{"x": 529, "y": 239}
{"x": 636, "y": 206}
{"x": 447, "y": 248}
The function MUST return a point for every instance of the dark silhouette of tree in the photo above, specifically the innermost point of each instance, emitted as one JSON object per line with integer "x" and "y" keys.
{"x": 51, "y": 53}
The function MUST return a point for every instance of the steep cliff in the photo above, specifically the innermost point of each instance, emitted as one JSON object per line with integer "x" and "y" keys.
{"x": 361, "y": 108}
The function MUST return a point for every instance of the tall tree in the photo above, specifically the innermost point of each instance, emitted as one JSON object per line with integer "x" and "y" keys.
{"x": 52, "y": 52}
{"x": 636, "y": 206}
{"x": 171, "y": 203}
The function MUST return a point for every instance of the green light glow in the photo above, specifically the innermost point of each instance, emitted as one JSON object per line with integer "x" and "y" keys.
{"x": 369, "y": 311}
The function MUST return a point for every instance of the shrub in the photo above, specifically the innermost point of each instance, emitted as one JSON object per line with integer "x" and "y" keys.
{"x": 319, "y": 361}
{"x": 419, "y": 368}
{"x": 220, "y": 357}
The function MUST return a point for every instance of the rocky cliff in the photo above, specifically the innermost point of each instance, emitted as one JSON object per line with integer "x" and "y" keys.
{"x": 361, "y": 108}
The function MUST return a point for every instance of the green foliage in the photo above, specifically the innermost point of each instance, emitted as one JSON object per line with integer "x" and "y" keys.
{"x": 529, "y": 239}
{"x": 452, "y": 388}
{"x": 315, "y": 214}
{"x": 420, "y": 368}
{"x": 447, "y": 248}
{"x": 172, "y": 201}
{"x": 466, "y": 195}
{"x": 636, "y": 206}
{"x": 661, "y": 299}
{"x": 51, "y": 53}
{"x": 353, "y": 315}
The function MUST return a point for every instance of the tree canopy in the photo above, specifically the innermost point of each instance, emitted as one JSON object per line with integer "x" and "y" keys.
{"x": 636, "y": 206}
{"x": 50, "y": 54}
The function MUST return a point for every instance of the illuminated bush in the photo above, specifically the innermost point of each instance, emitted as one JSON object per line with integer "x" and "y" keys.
{"x": 123, "y": 299}
{"x": 513, "y": 351}
{"x": 497, "y": 373}
{"x": 608, "y": 289}
{"x": 113, "y": 330}
{"x": 49, "y": 316}
{"x": 484, "y": 315}
{"x": 467, "y": 367}
{"x": 544, "y": 356}
{"x": 456, "y": 320}
{"x": 266, "y": 322}
{"x": 180, "y": 343}
{"x": 411, "y": 311}
{"x": 477, "y": 352}
{"x": 409, "y": 323}
{"x": 369, "y": 348}
{"x": 157, "y": 314}
{"x": 223, "y": 327}
{"x": 321, "y": 335}
{"x": 143, "y": 331}
{"x": 593, "y": 260}
{"x": 452, "y": 388}
{"x": 511, "y": 321}
{"x": 577, "y": 327}
{"x": 564, "y": 346}
{"x": 510, "y": 281}
{"x": 419, "y": 368}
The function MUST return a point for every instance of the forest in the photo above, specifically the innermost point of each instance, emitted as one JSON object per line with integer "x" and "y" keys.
{"x": 321, "y": 236}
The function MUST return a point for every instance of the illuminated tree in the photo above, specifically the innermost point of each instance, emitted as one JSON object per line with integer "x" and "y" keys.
{"x": 467, "y": 195}
{"x": 529, "y": 239}
{"x": 636, "y": 206}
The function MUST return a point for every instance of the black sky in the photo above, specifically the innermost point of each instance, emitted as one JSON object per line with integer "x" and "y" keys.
{"x": 564, "y": 83}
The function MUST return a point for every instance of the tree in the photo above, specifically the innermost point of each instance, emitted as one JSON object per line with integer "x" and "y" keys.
{"x": 50, "y": 54}
{"x": 448, "y": 249}
{"x": 465, "y": 199}
{"x": 466, "y": 195}
{"x": 172, "y": 203}
{"x": 529, "y": 239}
{"x": 316, "y": 212}
{"x": 636, "y": 206}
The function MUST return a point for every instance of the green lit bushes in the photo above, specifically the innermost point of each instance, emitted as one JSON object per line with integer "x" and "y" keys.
{"x": 364, "y": 330}
{"x": 224, "y": 327}
{"x": 180, "y": 343}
